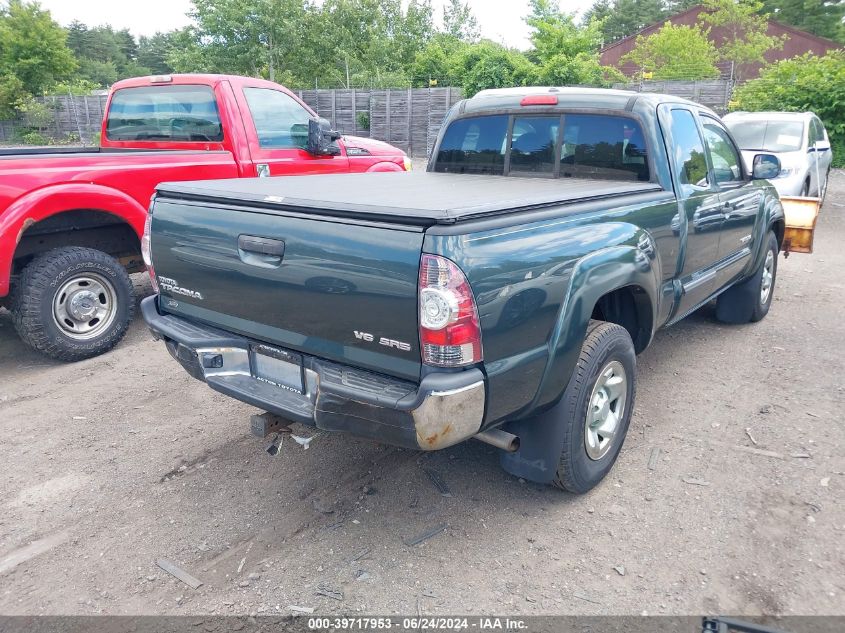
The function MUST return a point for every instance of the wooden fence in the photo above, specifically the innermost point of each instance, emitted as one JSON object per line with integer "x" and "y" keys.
{"x": 74, "y": 118}
{"x": 409, "y": 118}
{"x": 713, "y": 93}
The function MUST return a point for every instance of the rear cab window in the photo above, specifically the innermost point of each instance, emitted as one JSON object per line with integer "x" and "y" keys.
{"x": 567, "y": 145}
{"x": 182, "y": 113}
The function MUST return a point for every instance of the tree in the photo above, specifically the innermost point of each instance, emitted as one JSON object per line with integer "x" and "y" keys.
{"x": 676, "y": 52}
{"x": 801, "y": 84}
{"x": 435, "y": 64}
{"x": 459, "y": 21}
{"x": 186, "y": 55}
{"x": 12, "y": 96}
{"x": 555, "y": 33}
{"x": 819, "y": 17}
{"x": 33, "y": 48}
{"x": 154, "y": 51}
{"x": 104, "y": 55}
{"x": 565, "y": 52}
{"x": 745, "y": 25}
{"x": 249, "y": 37}
{"x": 621, "y": 18}
{"x": 491, "y": 65}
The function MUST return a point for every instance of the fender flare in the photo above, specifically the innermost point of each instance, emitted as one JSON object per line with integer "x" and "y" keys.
{"x": 594, "y": 275}
{"x": 49, "y": 201}
{"x": 772, "y": 213}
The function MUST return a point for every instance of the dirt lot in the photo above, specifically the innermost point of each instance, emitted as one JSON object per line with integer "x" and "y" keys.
{"x": 113, "y": 463}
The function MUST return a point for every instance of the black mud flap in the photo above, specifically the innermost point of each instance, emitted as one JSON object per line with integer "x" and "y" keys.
{"x": 540, "y": 445}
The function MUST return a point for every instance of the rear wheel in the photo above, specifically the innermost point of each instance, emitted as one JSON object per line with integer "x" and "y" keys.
{"x": 73, "y": 303}
{"x": 596, "y": 407}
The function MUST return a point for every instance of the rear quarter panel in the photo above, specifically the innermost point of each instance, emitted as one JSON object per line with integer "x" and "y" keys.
{"x": 536, "y": 283}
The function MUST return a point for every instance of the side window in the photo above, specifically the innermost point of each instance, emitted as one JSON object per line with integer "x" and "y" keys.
{"x": 723, "y": 154}
{"x": 816, "y": 132}
{"x": 822, "y": 132}
{"x": 689, "y": 158}
{"x": 280, "y": 121}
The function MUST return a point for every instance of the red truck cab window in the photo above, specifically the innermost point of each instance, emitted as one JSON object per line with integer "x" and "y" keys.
{"x": 181, "y": 113}
{"x": 280, "y": 122}
{"x": 278, "y": 139}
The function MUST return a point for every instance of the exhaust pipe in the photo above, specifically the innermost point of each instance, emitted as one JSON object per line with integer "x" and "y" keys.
{"x": 500, "y": 439}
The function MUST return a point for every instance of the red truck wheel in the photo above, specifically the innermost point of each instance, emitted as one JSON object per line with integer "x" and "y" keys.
{"x": 72, "y": 303}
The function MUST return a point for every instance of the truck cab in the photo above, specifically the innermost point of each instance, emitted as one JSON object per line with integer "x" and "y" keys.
{"x": 71, "y": 219}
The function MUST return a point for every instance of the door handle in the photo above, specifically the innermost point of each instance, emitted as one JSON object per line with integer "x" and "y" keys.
{"x": 263, "y": 252}
{"x": 261, "y": 245}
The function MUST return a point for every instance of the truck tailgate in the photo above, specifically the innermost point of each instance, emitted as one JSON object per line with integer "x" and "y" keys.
{"x": 339, "y": 289}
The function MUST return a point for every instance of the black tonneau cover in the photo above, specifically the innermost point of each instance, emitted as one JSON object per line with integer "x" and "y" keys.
{"x": 412, "y": 198}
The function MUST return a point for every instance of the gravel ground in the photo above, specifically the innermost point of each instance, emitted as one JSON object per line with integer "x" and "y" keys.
{"x": 113, "y": 463}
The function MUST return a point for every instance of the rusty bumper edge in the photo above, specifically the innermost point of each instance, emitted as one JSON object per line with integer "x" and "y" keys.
{"x": 445, "y": 418}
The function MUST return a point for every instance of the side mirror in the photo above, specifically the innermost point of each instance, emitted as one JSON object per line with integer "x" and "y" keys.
{"x": 765, "y": 167}
{"x": 322, "y": 140}
{"x": 822, "y": 146}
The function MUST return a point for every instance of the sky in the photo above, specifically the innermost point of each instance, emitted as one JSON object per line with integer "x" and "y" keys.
{"x": 499, "y": 20}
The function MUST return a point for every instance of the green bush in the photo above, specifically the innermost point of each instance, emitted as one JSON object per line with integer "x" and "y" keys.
{"x": 33, "y": 137}
{"x": 804, "y": 83}
{"x": 363, "y": 120}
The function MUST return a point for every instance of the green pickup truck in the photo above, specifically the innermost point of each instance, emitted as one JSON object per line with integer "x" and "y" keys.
{"x": 502, "y": 294}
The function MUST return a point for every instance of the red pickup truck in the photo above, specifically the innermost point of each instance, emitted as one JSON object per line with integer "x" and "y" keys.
{"x": 72, "y": 219}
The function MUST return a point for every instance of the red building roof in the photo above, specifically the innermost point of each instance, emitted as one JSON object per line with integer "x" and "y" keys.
{"x": 797, "y": 42}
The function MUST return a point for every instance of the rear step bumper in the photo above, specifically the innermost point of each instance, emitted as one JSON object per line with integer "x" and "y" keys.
{"x": 444, "y": 409}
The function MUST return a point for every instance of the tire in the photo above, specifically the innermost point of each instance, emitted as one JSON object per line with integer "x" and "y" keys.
{"x": 747, "y": 301}
{"x": 805, "y": 189}
{"x": 584, "y": 462}
{"x": 72, "y": 303}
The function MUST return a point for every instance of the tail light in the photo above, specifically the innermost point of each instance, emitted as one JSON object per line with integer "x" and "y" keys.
{"x": 450, "y": 332}
{"x": 146, "y": 253}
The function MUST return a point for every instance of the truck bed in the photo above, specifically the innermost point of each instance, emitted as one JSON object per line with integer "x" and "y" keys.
{"x": 420, "y": 198}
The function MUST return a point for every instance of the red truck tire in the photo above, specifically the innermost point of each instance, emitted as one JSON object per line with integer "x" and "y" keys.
{"x": 72, "y": 303}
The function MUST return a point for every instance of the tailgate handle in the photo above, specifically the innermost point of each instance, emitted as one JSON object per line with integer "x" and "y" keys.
{"x": 261, "y": 245}
{"x": 263, "y": 252}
